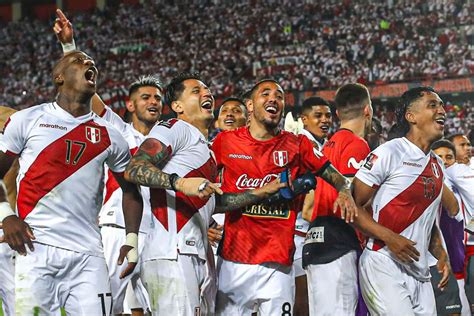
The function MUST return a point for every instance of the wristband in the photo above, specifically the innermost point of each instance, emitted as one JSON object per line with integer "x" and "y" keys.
{"x": 68, "y": 47}
{"x": 132, "y": 241}
{"x": 173, "y": 178}
{"x": 5, "y": 211}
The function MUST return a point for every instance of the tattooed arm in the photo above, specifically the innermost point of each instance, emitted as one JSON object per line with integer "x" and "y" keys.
{"x": 144, "y": 169}
{"x": 437, "y": 250}
{"x": 344, "y": 199}
{"x": 236, "y": 201}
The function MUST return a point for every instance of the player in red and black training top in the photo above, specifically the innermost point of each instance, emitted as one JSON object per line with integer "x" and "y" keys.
{"x": 257, "y": 248}
{"x": 331, "y": 245}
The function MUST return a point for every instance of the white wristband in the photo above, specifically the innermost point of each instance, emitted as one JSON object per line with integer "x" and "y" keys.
{"x": 132, "y": 241}
{"x": 5, "y": 210}
{"x": 68, "y": 47}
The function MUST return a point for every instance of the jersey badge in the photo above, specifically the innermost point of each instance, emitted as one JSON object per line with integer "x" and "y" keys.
{"x": 370, "y": 160}
{"x": 280, "y": 158}
{"x": 93, "y": 134}
{"x": 435, "y": 169}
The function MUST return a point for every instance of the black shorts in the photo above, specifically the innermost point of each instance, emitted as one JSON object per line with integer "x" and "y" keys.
{"x": 447, "y": 301}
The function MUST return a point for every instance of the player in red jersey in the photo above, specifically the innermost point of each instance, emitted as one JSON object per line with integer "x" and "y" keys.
{"x": 403, "y": 182}
{"x": 331, "y": 246}
{"x": 63, "y": 147}
{"x": 257, "y": 248}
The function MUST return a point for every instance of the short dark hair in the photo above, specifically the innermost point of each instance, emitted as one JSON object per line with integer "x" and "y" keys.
{"x": 176, "y": 86}
{"x": 259, "y": 83}
{"x": 350, "y": 100}
{"x": 246, "y": 95}
{"x": 313, "y": 101}
{"x": 235, "y": 99}
{"x": 144, "y": 81}
{"x": 443, "y": 143}
{"x": 451, "y": 137}
{"x": 404, "y": 103}
{"x": 377, "y": 124}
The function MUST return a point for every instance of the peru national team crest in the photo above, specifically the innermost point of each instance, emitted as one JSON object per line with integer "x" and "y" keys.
{"x": 93, "y": 134}
{"x": 280, "y": 158}
{"x": 435, "y": 169}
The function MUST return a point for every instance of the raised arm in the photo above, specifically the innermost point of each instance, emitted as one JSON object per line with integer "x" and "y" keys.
{"x": 65, "y": 33}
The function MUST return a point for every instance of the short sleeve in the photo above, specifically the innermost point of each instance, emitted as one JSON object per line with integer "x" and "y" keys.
{"x": 353, "y": 157}
{"x": 171, "y": 133}
{"x": 113, "y": 118}
{"x": 217, "y": 149}
{"x": 14, "y": 134}
{"x": 312, "y": 159}
{"x": 376, "y": 167}
{"x": 119, "y": 156}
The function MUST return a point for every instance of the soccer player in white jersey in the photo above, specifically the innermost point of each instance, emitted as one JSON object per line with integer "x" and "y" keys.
{"x": 317, "y": 119}
{"x": 63, "y": 148}
{"x": 403, "y": 182}
{"x": 145, "y": 107}
{"x": 175, "y": 261}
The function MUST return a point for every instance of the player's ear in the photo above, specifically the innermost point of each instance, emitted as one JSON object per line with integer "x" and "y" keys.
{"x": 177, "y": 107}
{"x": 130, "y": 106}
{"x": 410, "y": 117}
{"x": 250, "y": 106}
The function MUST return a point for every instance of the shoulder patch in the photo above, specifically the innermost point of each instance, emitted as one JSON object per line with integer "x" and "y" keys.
{"x": 169, "y": 123}
{"x": 370, "y": 160}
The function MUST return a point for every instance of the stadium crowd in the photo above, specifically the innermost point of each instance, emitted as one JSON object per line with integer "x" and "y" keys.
{"x": 305, "y": 45}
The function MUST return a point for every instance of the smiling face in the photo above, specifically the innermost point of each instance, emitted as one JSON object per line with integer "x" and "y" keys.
{"x": 231, "y": 116}
{"x": 76, "y": 72}
{"x": 318, "y": 120}
{"x": 267, "y": 104}
{"x": 427, "y": 116}
{"x": 196, "y": 103}
{"x": 146, "y": 104}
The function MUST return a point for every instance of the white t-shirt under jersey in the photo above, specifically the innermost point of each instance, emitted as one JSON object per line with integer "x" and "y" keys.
{"x": 60, "y": 182}
{"x": 409, "y": 185}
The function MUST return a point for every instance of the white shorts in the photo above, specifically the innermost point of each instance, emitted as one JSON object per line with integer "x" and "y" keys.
{"x": 7, "y": 280}
{"x": 51, "y": 277}
{"x": 113, "y": 238}
{"x": 175, "y": 286}
{"x": 332, "y": 287}
{"x": 298, "y": 256}
{"x": 270, "y": 287}
{"x": 389, "y": 290}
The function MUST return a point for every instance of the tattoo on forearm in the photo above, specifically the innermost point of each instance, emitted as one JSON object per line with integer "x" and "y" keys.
{"x": 436, "y": 243}
{"x": 235, "y": 201}
{"x": 335, "y": 178}
{"x": 144, "y": 166}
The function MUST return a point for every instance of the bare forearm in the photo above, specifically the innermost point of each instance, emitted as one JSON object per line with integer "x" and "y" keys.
{"x": 366, "y": 224}
{"x": 436, "y": 244}
{"x": 449, "y": 202}
{"x": 132, "y": 205}
{"x": 336, "y": 179}
{"x": 144, "y": 173}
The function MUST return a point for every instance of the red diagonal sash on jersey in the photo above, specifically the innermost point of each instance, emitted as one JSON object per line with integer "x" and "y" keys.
{"x": 410, "y": 204}
{"x": 111, "y": 185}
{"x": 50, "y": 168}
{"x": 185, "y": 206}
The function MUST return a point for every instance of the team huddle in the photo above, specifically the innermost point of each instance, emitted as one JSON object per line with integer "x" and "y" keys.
{"x": 160, "y": 217}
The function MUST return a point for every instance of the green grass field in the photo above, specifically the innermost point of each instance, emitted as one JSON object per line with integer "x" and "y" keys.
{"x": 63, "y": 313}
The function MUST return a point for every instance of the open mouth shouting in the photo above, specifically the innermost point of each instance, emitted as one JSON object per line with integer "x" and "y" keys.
{"x": 207, "y": 105}
{"x": 91, "y": 76}
{"x": 153, "y": 110}
{"x": 440, "y": 121}
{"x": 271, "y": 108}
{"x": 230, "y": 120}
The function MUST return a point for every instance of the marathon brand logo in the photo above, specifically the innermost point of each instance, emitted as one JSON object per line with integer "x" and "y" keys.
{"x": 244, "y": 182}
{"x": 191, "y": 243}
{"x": 370, "y": 161}
{"x": 280, "y": 158}
{"x": 260, "y": 210}
{"x": 315, "y": 235}
{"x": 93, "y": 134}
{"x": 412, "y": 164}
{"x": 56, "y": 126}
{"x": 240, "y": 156}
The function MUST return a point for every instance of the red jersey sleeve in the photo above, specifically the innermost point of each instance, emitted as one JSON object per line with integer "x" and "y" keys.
{"x": 312, "y": 159}
{"x": 353, "y": 157}
{"x": 216, "y": 148}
